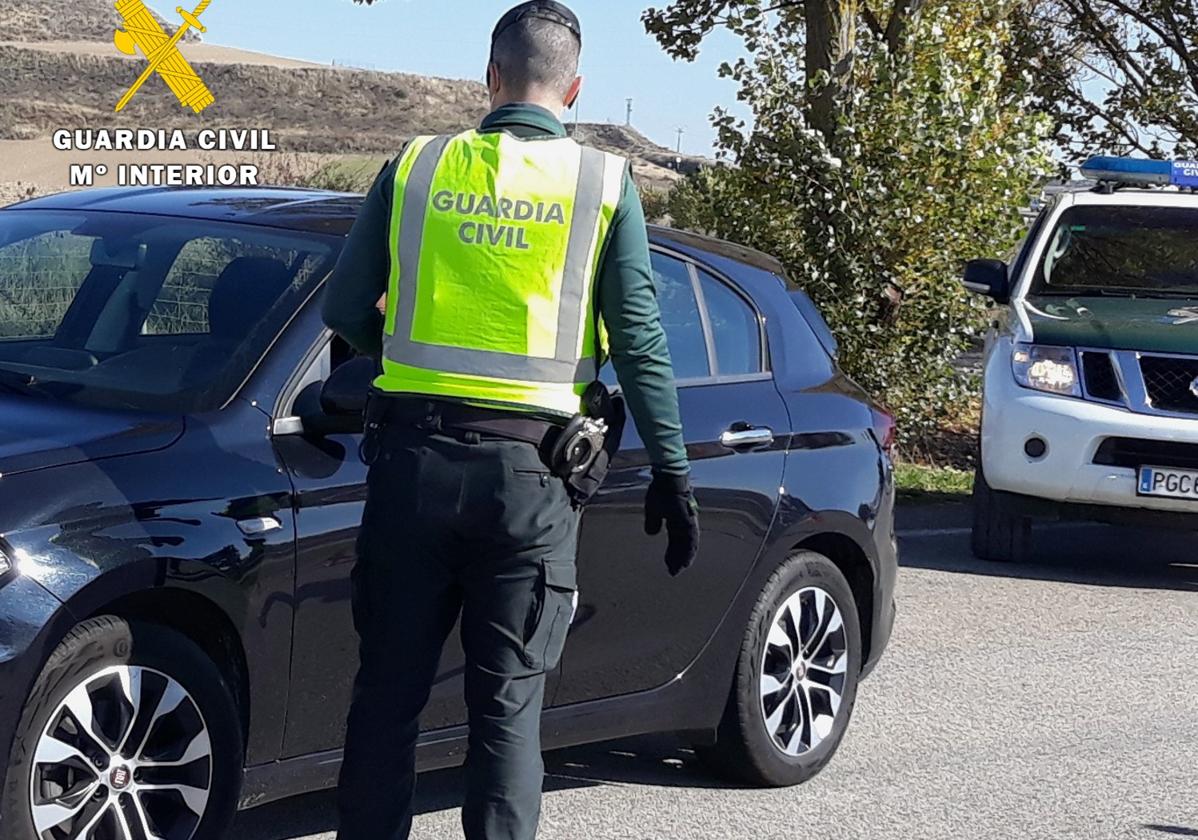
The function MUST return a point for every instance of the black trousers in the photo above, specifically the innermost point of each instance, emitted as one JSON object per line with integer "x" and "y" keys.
{"x": 456, "y": 527}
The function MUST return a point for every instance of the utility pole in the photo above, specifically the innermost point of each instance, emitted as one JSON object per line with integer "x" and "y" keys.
{"x": 680, "y": 131}
{"x": 628, "y": 118}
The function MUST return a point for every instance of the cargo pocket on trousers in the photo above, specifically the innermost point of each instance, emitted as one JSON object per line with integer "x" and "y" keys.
{"x": 554, "y": 612}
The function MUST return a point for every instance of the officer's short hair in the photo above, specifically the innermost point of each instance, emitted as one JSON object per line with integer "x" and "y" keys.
{"x": 537, "y": 54}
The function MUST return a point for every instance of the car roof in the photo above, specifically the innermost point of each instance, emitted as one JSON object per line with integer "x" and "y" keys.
{"x": 1130, "y": 196}
{"x": 319, "y": 211}
{"x": 296, "y": 209}
{"x": 703, "y": 248}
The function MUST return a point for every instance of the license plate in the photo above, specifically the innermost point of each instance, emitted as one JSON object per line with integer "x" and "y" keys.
{"x": 1168, "y": 482}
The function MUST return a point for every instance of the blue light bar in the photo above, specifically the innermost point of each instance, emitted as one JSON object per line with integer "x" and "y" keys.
{"x": 1138, "y": 172}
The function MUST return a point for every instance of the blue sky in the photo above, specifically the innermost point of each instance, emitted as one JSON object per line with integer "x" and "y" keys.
{"x": 450, "y": 39}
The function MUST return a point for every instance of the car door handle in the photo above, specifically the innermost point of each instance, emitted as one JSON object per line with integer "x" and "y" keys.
{"x": 740, "y": 437}
{"x": 258, "y": 527}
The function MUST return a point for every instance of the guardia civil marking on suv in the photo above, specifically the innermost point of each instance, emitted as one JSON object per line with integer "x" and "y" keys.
{"x": 1091, "y": 372}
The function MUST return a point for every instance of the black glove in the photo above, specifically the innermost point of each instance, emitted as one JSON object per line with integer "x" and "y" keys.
{"x": 671, "y": 501}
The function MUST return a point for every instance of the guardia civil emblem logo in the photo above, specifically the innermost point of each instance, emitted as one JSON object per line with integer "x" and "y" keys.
{"x": 143, "y": 33}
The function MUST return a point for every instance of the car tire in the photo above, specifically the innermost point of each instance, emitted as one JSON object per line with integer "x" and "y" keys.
{"x": 1000, "y": 534}
{"x": 781, "y": 738}
{"x": 189, "y": 754}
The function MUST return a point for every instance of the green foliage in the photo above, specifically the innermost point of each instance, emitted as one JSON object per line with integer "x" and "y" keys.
{"x": 929, "y": 158}
{"x": 656, "y": 204}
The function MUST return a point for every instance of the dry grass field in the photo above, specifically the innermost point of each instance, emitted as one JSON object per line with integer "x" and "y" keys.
{"x": 55, "y": 20}
{"x": 197, "y": 52}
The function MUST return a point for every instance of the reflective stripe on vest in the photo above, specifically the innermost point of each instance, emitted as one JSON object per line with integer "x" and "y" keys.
{"x": 506, "y": 197}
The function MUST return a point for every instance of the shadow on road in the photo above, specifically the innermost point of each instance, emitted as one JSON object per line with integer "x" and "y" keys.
{"x": 659, "y": 760}
{"x": 1087, "y": 553}
{"x": 1177, "y": 830}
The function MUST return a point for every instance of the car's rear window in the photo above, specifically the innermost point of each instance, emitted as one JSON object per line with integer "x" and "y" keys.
{"x": 1121, "y": 250}
{"x": 145, "y": 312}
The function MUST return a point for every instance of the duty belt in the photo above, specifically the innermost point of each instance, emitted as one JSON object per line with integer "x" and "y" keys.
{"x": 440, "y": 416}
{"x": 578, "y": 452}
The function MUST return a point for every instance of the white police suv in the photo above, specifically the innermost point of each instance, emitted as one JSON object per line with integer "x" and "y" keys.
{"x": 1091, "y": 372}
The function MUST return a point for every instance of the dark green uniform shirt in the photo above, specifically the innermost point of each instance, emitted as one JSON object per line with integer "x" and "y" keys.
{"x": 627, "y": 297}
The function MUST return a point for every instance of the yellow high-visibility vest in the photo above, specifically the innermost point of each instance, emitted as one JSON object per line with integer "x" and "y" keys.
{"x": 495, "y": 249}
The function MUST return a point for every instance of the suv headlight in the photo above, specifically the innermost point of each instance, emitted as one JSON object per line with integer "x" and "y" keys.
{"x": 1044, "y": 368}
{"x": 5, "y": 564}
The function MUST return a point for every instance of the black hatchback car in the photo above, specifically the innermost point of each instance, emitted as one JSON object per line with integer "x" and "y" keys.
{"x": 180, "y": 492}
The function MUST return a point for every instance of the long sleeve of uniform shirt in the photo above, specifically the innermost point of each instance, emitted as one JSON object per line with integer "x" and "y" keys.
{"x": 627, "y": 296}
{"x": 363, "y": 271}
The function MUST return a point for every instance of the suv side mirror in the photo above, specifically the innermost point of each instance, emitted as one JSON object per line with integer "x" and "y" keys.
{"x": 988, "y": 277}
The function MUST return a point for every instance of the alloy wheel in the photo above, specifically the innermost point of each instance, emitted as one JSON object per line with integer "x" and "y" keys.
{"x": 125, "y": 756}
{"x": 803, "y": 671}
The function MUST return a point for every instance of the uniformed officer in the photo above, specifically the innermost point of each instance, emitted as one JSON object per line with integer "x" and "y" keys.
{"x": 498, "y": 250}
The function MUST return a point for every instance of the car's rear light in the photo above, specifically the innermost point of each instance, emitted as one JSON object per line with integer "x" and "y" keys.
{"x": 886, "y": 430}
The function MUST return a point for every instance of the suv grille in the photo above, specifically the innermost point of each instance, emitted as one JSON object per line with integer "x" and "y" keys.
{"x": 1135, "y": 453}
{"x": 1098, "y": 372}
{"x": 1171, "y": 382}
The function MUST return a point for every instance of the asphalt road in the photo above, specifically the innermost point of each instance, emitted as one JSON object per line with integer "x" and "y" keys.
{"x": 1057, "y": 699}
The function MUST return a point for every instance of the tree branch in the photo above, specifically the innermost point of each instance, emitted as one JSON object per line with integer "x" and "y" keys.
{"x": 1115, "y": 51}
{"x": 871, "y": 21}
{"x": 1186, "y": 57}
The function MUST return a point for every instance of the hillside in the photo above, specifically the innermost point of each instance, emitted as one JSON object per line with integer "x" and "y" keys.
{"x": 631, "y": 143}
{"x": 60, "y": 70}
{"x": 308, "y": 109}
{"x": 62, "y": 20}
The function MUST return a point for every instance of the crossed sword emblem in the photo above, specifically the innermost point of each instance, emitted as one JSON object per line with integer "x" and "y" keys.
{"x": 142, "y": 30}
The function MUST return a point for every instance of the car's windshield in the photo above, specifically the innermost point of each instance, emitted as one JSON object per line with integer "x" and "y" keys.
{"x": 1122, "y": 251}
{"x": 144, "y": 312}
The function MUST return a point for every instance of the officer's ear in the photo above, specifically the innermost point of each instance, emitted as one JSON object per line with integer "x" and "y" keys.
{"x": 572, "y": 93}
{"x": 493, "y": 83}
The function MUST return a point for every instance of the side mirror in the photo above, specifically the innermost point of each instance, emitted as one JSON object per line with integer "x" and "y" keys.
{"x": 343, "y": 400}
{"x": 346, "y": 390}
{"x": 988, "y": 277}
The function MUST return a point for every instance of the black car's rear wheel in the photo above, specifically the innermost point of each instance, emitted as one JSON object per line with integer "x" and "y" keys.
{"x": 130, "y": 733}
{"x": 796, "y": 677}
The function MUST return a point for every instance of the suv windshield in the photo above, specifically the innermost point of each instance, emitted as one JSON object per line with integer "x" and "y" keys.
{"x": 145, "y": 312}
{"x": 1113, "y": 250}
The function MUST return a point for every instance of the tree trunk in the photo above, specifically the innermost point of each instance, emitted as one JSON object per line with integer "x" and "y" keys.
{"x": 831, "y": 42}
